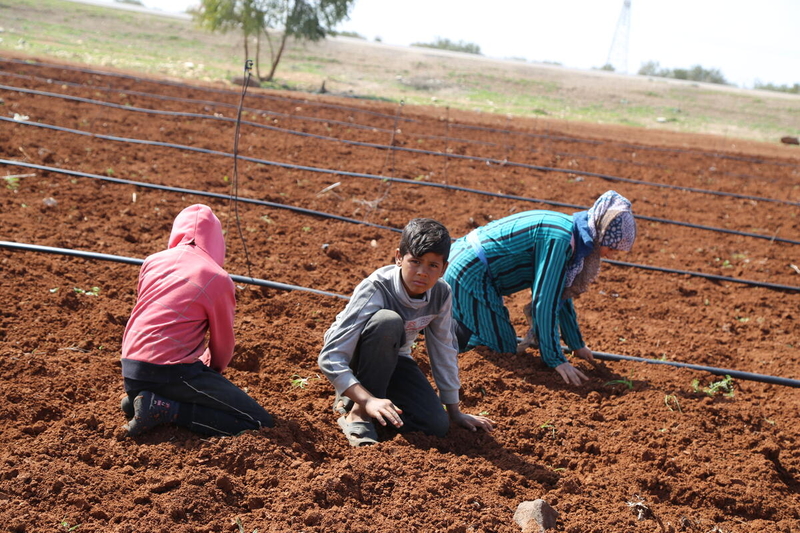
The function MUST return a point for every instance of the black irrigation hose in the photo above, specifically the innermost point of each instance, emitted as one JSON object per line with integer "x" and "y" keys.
{"x": 134, "y": 261}
{"x": 383, "y": 178}
{"x": 355, "y": 221}
{"x": 747, "y": 376}
{"x": 629, "y": 145}
{"x": 207, "y": 194}
{"x": 326, "y": 138}
{"x": 339, "y": 123}
{"x": 215, "y": 90}
{"x": 713, "y": 277}
{"x": 388, "y": 116}
{"x": 282, "y": 286}
{"x": 366, "y": 127}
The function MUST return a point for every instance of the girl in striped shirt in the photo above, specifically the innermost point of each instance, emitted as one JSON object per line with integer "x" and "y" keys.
{"x": 555, "y": 255}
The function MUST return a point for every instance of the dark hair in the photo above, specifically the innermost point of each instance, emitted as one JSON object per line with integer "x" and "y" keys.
{"x": 423, "y": 235}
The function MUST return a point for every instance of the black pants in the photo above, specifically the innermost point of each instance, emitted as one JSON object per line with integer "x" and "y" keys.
{"x": 385, "y": 374}
{"x": 209, "y": 403}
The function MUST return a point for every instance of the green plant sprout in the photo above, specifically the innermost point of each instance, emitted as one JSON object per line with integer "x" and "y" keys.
{"x": 67, "y": 527}
{"x": 723, "y": 386}
{"x": 484, "y": 413}
{"x": 301, "y": 382}
{"x": 94, "y": 291}
{"x": 627, "y": 382}
{"x": 12, "y": 182}
{"x": 551, "y": 427}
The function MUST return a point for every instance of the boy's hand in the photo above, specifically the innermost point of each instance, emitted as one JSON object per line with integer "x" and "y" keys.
{"x": 383, "y": 410}
{"x": 470, "y": 422}
{"x": 571, "y": 375}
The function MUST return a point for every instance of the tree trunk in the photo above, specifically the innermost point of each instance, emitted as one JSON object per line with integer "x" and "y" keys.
{"x": 258, "y": 54}
{"x": 277, "y": 58}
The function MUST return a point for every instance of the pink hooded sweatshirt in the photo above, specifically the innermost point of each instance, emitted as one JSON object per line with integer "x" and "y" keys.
{"x": 183, "y": 293}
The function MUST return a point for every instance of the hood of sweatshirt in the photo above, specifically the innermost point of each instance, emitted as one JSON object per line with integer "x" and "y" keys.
{"x": 198, "y": 225}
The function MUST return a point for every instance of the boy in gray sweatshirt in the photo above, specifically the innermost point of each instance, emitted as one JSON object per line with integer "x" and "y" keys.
{"x": 367, "y": 350}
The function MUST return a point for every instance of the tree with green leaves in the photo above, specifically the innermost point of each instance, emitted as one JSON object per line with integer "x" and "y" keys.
{"x": 277, "y": 20}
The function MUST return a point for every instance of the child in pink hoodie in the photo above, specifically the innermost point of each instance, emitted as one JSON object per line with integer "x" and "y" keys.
{"x": 170, "y": 375}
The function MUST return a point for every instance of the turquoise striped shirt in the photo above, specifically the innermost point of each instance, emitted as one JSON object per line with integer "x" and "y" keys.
{"x": 527, "y": 250}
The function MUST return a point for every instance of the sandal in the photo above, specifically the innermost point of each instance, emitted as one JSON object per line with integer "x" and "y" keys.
{"x": 358, "y": 433}
{"x": 342, "y": 405}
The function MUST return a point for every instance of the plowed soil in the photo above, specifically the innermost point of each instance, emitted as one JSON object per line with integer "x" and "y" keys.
{"x": 658, "y": 435}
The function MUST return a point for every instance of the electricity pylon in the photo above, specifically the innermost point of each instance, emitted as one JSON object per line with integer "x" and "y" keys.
{"x": 618, "y": 54}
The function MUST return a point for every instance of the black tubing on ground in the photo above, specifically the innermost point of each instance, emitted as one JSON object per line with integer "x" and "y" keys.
{"x": 747, "y": 376}
{"x": 43, "y": 64}
{"x": 282, "y": 286}
{"x": 326, "y": 138}
{"x": 310, "y": 212}
{"x": 319, "y": 170}
{"x": 134, "y": 261}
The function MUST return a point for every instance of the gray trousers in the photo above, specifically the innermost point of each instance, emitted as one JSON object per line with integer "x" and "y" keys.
{"x": 385, "y": 374}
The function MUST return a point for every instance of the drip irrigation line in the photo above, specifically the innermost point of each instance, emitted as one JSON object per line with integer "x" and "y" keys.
{"x": 182, "y": 85}
{"x": 597, "y": 142}
{"x": 747, "y": 376}
{"x": 135, "y": 261}
{"x": 392, "y": 148}
{"x": 322, "y": 214}
{"x": 320, "y": 170}
{"x": 713, "y": 277}
{"x": 372, "y": 128}
{"x": 212, "y": 103}
{"x": 207, "y": 194}
{"x": 389, "y": 116}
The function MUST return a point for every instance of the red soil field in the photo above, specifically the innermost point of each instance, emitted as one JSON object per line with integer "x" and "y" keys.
{"x": 636, "y": 433}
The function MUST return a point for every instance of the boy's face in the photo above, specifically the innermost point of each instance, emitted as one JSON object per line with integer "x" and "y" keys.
{"x": 419, "y": 274}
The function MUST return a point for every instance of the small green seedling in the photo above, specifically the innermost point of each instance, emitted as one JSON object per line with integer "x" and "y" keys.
{"x": 484, "y": 413}
{"x": 627, "y": 382}
{"x": 723, "y": 386}
{"x": 12, "y": 183}
{"x": 550, "y": 426}
{"x": 94, "y": 291}
{"x": 67, "y": 527}
{"x": 302, "y": 382}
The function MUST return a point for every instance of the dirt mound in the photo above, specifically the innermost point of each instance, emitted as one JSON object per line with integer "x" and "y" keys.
{"x": 673, "y": 439}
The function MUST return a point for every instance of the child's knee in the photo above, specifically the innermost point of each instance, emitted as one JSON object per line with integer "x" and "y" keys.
{"x": 386, "y": 322}
{"x": 385, "y": 328}
{"x": 439, "y": 425}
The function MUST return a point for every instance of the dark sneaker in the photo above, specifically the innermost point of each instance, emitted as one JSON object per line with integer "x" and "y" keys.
{"x": 127, "y": 406}
{"x": 151, "y": 411}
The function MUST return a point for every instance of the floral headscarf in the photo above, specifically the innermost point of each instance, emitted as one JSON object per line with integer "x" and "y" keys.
{"x": 609, "y": 222}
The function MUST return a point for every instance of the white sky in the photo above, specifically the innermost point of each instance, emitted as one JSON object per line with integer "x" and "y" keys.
{"x": 746, "y": 41}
